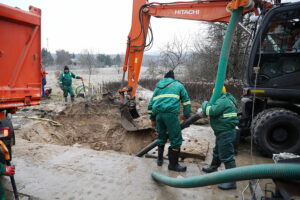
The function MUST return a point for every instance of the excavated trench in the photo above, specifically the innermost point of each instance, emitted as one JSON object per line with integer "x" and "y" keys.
{"x": 94, "y": 125}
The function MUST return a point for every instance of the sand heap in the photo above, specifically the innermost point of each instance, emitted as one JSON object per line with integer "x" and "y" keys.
{"x": 94, "y": 125}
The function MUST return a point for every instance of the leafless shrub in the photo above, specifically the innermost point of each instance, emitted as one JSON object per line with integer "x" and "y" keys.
{"x": 87, "y": 60}
{"x": 111, "y": 86}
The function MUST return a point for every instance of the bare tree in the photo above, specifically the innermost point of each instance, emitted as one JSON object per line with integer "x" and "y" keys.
{"x": 117, "y": 62}
{"x": 87, "y": 60}
{"x": 47, "y": 58}
{"x": 63, "y": 57}
{"x": 174, "y": 53}
{"x": 153, "y": 69}
{"x": 203, "y": 62}
{"x": 239, "y": 51}
{"x": 203, "y": 59}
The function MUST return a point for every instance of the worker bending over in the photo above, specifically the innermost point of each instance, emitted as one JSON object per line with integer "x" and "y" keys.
{"x": 164, "y": 108}
{"x": 223, "y": 119}
{"x": 65, "y": 80}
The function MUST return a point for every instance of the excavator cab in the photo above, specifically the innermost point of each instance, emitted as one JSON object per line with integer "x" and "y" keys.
{"x": 270, "y": 107}
{"x": 276, "y": 50}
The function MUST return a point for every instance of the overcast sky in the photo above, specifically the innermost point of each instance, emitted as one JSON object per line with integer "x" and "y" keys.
{"x": 101, "y": 26}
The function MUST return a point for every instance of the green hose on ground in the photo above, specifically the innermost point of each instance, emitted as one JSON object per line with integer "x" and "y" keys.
{"x": 264, "y": 171}
{"x": 225, "y": 51}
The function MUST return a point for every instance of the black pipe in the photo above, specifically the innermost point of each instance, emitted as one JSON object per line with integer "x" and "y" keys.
{"x": 183, "y": 125}
{"x": 13, "y": 184}
{"x": 191, "y": 120}
{"x": 146, "y": 149}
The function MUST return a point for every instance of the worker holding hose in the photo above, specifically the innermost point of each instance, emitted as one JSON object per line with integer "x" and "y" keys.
{"x": 164, "y": 108}
{"x": 65, "y": 80}
{"x": 223, "y": 119}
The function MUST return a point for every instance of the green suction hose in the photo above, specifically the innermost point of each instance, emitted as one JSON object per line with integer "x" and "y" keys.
{"x": 264, "y": 171}
{"x": 285, "y": 171}
{"x": 225, "y": 51}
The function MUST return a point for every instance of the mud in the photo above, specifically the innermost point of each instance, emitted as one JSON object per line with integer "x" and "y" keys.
{"x": 64, "y": 171}
{"x": 95, "y": 125}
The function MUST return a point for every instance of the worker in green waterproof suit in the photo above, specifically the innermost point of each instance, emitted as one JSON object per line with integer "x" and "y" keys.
{"x": 5, "y": 170}
{"x": 164, "y": 108}
{"x": 65, "y": 83}
{"x": 223, "y": 119}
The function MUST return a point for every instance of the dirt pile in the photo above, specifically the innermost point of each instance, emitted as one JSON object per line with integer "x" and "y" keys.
{"x": 94, "y": 125}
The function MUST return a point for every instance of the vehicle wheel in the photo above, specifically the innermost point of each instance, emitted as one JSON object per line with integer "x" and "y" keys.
{"x": 258, "y": 116}
{"x": 277, "y": 131}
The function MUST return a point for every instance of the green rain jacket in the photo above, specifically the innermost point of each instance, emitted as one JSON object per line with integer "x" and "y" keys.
{"x": 167, "y": 97}
{"x": 223, "y": 113}
{"x": 65, "y": 79}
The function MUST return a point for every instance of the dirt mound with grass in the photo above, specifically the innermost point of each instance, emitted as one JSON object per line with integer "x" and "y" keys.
{"x": 94, "y": 125}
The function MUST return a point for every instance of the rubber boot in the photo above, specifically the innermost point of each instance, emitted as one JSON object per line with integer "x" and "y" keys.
{"x": 173, "y": 161}
{"x": 160, "y": 155}
{"x": 73, "y": 99}
{"x": 230, "y": 185}
{"x": 66, "y": 100}
{"x": 213, "y": 167}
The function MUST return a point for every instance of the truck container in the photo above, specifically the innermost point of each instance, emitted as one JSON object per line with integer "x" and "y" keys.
{"x": 20, "y": 57}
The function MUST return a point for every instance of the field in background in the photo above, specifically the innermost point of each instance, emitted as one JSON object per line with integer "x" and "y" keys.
{"x": 109, "y": 79}
{"x": 198, "y": 91}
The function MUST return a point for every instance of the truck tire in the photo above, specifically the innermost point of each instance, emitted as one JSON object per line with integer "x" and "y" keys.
{"x": 276, "y": 131}
{"x": 258, "y": 116}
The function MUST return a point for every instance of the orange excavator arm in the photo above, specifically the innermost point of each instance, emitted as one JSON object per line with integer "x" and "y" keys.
{"x": 211, "y": 11}
{"x": 206, "y": 10}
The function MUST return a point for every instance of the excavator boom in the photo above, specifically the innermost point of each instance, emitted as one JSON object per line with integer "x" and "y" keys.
{"x": 211, "y": 11}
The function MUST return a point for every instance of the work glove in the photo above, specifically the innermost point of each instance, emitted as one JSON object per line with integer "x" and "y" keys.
{"x": 183, "y": 118}
{"x": 9, "y": 170}
{"x": 153, "y": 123}
{"x": 204, "y": 105}
{"x": 81, "y": 78}
{"x": 200, "y": 111}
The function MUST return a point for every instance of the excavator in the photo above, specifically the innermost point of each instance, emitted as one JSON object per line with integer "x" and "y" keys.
{"x": 269, "y": 109}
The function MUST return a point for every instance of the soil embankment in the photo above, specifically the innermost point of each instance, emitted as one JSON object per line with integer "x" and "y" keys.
{"x": 94, "y": 125}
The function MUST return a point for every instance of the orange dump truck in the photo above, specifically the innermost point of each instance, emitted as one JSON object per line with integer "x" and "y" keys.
{"x": 20, "y": 67}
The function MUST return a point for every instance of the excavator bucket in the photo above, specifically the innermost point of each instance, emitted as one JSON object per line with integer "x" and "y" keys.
{"x": 128, "y": 114}
{"x": 127, "y": 119}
